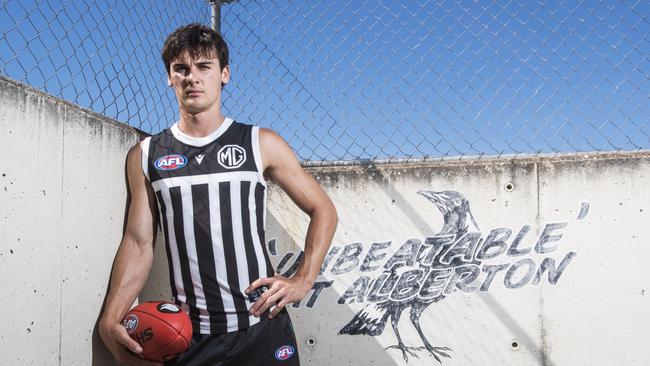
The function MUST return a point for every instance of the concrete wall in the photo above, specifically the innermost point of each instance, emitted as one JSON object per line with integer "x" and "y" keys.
{"x": 528, "y": 261}
{"x": 552, "y": 271}
{"x": 62, "y": 200}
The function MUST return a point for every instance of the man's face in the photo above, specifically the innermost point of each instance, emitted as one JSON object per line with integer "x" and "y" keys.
{"x": 197, "y": 82}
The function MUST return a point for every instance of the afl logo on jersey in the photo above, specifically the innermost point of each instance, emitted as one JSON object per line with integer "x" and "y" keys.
{"x": 231, "y": 156}
{"x": 170, "y": 162}
{"x": 284, "y": 353}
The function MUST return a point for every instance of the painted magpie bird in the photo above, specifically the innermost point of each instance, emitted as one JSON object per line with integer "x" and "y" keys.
{"x": 372, "y": 319}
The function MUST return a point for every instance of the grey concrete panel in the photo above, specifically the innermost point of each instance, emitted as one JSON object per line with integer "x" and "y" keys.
{"x": 94, "y": 202}
{"x": 31, "y": 133}
{"x": 63, "y": 197}
{"x": 599, "y": 313}
{"x": 528, "y": 314}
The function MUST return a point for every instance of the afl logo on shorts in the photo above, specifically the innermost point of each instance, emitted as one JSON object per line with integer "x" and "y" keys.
{"x": 284, "y": 353}
{"x": 130, "y": 323}
{"x": 231, "y": 156}
{"x": 168, "y": 308}
{"x": 170, "y": 162}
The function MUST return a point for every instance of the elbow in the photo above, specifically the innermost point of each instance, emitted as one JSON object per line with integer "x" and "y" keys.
{"x": 137, "y": 245}
{"x": 329, "y": 213}
{"x": 324, "y": 212}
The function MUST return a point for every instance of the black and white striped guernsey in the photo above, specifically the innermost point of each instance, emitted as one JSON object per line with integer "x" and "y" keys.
{"x": 211, "y": 197}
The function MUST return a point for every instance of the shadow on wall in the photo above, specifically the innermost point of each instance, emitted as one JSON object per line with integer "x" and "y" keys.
{"x": 101, "y": 356}
{"x": 157, "y": 286}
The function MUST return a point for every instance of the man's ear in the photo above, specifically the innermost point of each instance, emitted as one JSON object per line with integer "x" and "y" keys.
{"x": 225, "y": 75}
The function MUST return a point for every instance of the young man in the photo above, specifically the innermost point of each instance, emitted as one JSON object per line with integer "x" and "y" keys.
{"x": 205, "y": 178}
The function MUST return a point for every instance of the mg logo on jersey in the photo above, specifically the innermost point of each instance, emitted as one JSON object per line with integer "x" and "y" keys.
{"x": 284, "y": 353}
{"x": 231, "y": 156}
{"x": 170, "y": 162}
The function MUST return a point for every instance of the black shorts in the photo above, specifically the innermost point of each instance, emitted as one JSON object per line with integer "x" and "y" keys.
{"x": 269, "y": 342}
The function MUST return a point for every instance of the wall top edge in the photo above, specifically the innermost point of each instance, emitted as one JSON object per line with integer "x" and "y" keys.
{"x": 10, "y": 83}
{"x": 477, "y": 160}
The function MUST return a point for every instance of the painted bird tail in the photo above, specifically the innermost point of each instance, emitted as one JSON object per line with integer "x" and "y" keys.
{"x": 371, "y": 320}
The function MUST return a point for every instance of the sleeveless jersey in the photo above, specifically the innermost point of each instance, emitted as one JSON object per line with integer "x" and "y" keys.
{"x": 211, "y": 198}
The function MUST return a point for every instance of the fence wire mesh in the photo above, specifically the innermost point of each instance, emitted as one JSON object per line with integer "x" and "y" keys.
{"x": 101, "y": 55}
{"x": 349, "y": 80}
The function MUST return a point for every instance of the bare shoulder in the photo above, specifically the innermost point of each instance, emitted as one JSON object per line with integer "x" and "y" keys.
{"x": 275, "y": 150}
{"x": 135, "y": 151}
{"x": 134, "y": 161}
{"x": 268, "y": 136}
{"x": 134, "y": 154}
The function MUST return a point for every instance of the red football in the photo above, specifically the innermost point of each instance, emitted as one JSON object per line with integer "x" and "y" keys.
{"x": 163, "y": 329}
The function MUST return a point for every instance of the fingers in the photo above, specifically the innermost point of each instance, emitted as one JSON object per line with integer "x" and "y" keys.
{"x": 259, "y": 306}
{"x": 266, "y": 281}
{"x": 268, "y": 299}
{"x": 271, "y": 288}
{"x": 122, "y": 337}
{"x": 277, "y": 309}
{"x": 280, "y": 292}
{"x": 124, "y": 348}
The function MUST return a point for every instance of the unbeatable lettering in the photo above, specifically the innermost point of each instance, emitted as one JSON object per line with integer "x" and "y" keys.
{"x": 441, "y": 264}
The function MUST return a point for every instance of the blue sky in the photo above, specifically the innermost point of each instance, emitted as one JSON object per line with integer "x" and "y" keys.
{"x": 364, "y": 79}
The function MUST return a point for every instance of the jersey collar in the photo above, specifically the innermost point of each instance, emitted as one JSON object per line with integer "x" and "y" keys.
{"x": 200, "y": 141}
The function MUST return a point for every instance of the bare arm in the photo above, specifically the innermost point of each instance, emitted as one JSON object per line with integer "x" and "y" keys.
{"x": 282, "y": 166}
{"x": 132, "y": 263}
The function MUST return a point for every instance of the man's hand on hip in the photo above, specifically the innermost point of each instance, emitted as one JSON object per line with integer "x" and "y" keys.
{"x": 281, "y": 291}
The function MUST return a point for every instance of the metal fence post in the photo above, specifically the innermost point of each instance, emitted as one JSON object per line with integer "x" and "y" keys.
{"x": 216, "y": 12}
{"x": 216, "y": 15}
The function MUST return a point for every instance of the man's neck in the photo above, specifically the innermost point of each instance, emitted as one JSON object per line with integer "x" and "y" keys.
{"x": 201, "y": 124}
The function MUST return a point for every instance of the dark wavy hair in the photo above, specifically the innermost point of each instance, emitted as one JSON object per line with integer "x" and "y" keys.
{"x": 199, "y": 40}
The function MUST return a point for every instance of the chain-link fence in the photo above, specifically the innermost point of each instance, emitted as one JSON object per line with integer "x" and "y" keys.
{"x": 100, "y": 54}
{"x": 347, "y": 80}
